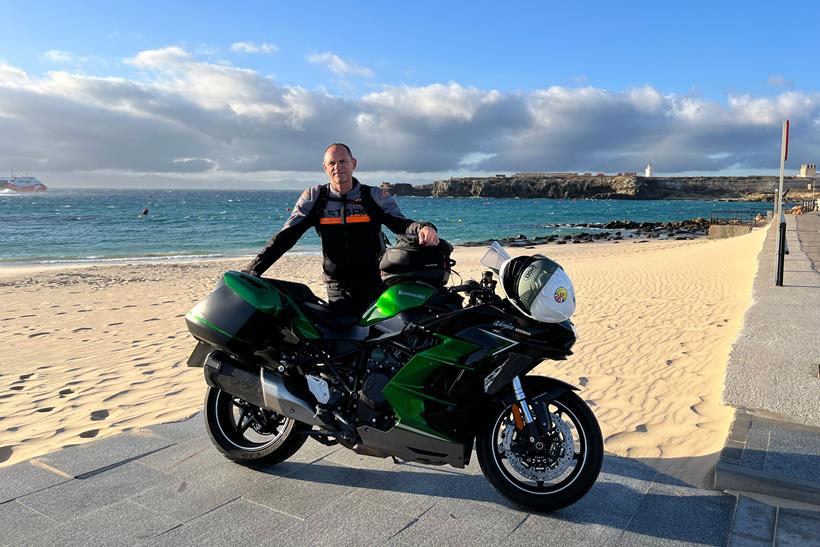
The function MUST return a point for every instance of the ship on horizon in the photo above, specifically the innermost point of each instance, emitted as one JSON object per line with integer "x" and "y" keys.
{"x": 22, "y": 184}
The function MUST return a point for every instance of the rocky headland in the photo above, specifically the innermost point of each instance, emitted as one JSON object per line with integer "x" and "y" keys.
{"x": 601, "y": 186}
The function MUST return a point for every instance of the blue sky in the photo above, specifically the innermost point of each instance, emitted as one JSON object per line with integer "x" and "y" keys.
{"x": 459, "y": 87}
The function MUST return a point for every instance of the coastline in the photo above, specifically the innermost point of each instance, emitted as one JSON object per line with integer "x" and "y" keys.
{"x": 96, "y": 349}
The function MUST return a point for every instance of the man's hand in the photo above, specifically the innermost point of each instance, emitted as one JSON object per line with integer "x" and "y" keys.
{"x": 428, "y": 236}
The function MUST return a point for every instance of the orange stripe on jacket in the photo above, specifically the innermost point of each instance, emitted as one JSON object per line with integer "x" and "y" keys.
{"x": 350, "y": 219}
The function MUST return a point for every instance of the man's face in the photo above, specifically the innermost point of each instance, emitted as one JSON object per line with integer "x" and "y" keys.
{"x": 339, "y": 166}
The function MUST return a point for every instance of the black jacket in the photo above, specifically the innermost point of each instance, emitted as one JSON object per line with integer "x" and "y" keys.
{"x": 349, "y": 226}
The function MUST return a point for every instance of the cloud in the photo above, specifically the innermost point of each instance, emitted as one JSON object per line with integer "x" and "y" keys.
{"x": 250, "y": 47}
{"x": 63, "y": 57}
{"x": 780, "y": 81}
{"x": 180, "y": 115}
{"x": 339, "y": 66}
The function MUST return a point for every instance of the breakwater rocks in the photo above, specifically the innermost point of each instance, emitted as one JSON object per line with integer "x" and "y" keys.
{"x": 601, "y": 186}
{"x": 614, "y": 231}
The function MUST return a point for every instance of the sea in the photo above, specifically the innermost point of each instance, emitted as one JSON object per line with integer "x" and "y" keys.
{"x": 104, "y": 225}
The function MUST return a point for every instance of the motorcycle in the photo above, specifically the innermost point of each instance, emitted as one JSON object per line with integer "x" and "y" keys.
{"x": 422, "y": 376}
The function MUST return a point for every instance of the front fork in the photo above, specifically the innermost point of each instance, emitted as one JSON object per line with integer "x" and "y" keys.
{"x": 537, "y": 426}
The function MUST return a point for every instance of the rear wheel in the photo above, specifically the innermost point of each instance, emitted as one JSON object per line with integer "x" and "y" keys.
{"x": 542, "y": 476}
{"x": 248, "y": 434}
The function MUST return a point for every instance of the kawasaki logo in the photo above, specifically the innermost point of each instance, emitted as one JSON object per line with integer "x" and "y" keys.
{"x": 414, "y": 295}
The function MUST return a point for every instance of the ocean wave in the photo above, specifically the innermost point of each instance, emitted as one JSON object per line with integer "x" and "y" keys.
{"x": 107, "y": 260}
{"x": 28, "y": 261}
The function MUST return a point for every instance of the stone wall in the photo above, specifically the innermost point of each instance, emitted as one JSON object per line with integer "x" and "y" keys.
{"x": 723, "y": 231}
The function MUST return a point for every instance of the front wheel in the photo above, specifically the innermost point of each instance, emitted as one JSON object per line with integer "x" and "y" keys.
{"x": 248, "y": 434}
{"x": 546, "y": 476}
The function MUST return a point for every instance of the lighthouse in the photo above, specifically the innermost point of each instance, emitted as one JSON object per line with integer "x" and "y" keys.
{"x": 648, "y": 171}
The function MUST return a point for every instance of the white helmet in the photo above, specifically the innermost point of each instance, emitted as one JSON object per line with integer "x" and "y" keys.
{"x": 538, "y": 287}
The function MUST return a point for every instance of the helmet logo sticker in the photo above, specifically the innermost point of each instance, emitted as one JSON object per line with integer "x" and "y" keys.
{"x": 560, "y": 294}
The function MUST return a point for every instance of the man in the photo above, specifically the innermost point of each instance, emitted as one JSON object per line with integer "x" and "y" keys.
{"x": 348, "y": 217}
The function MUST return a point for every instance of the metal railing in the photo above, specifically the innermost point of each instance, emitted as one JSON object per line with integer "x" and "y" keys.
{"x": 739, "y": 218}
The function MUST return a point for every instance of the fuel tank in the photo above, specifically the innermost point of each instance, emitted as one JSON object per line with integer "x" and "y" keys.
{"x": 397, "y": 299}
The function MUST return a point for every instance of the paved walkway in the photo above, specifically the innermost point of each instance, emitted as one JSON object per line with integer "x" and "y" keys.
{"x": 167, "y": 484}
{"x": 772, "y": 379}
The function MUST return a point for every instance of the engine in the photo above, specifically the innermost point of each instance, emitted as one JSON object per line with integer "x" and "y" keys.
{"x": 382, "y": 364}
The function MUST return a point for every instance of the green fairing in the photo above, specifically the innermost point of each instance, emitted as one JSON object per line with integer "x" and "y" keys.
{"x": 405, "y": 392}
{"x": 395, "y": 300}
{"x": 268, "y": 299}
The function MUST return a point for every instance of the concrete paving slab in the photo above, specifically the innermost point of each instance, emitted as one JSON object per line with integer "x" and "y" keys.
{"x": 666, "y": 518}
{"x": 798, "y": 528}
{"x": 347, "y": 521}
{"x": 121, "y": 523}
{"x": 182, "y": 457}
{"x": 64, "y": 536}
{"x": 19, "y": 524}
{"x": 26, "y": 477}
{"x": 754, "y": 519}
{"x": 182, "y": 430}
{"x": 183, "y": 500}
{"x": 90, "y": 457}
{"x": 77, "y": 497}
{"x": 239, "y": 522}
{"x": 794, "y": 452}
{"x": 308, "y": 490}
{"x": 743, "y": 541}
{"x": 461, "y": 522}
{"x": 554, "y": 530}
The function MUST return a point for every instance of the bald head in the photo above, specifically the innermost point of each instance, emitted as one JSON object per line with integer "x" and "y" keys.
{"x": 339, "y": 165}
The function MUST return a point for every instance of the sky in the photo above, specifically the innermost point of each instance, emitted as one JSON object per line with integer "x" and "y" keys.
{"x": 248, "y": 94}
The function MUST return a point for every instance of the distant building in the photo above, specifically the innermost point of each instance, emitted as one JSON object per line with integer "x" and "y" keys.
{"x": 808, "y": 170}
{"x": 648, "y": 171}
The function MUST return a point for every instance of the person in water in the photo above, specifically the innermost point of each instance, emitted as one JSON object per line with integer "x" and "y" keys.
{"x": 348, "y": 217}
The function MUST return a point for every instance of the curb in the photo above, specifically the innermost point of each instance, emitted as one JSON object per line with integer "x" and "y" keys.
{"x": 746, "y": 458}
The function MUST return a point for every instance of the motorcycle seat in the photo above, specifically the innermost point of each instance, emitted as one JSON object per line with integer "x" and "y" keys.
{"x": 335, "y": 325}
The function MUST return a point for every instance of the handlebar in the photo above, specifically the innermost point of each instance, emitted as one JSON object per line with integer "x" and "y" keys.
{"x": 471, "y": 285}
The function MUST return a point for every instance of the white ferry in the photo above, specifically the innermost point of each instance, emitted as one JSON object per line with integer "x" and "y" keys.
{"x": 22, "y": 184}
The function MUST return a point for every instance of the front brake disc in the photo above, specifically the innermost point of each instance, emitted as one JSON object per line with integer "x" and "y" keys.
{"x": 555, "y": 466}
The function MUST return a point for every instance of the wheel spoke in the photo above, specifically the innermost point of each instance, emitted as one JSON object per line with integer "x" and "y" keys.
{"x": 245, "y": 420}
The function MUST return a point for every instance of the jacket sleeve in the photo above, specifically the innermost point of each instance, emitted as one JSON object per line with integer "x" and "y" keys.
{"x": 301, "y": 218}
{"x": 392, "y": 217}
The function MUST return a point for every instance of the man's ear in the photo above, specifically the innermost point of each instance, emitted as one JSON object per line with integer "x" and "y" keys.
{"x": 354, "y": 162}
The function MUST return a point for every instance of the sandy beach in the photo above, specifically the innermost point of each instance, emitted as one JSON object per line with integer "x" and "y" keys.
{"x": 95, "y": 350}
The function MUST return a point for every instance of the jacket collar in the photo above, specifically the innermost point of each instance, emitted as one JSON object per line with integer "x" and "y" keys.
{"x": 354, "y": 192}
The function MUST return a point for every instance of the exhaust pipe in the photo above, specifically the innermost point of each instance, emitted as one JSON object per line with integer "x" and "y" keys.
{"x": 261, "y": 388}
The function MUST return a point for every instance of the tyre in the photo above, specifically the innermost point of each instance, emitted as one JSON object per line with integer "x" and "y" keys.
{"x": 248, "y": 434}
{"x": 551, "y": 476}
